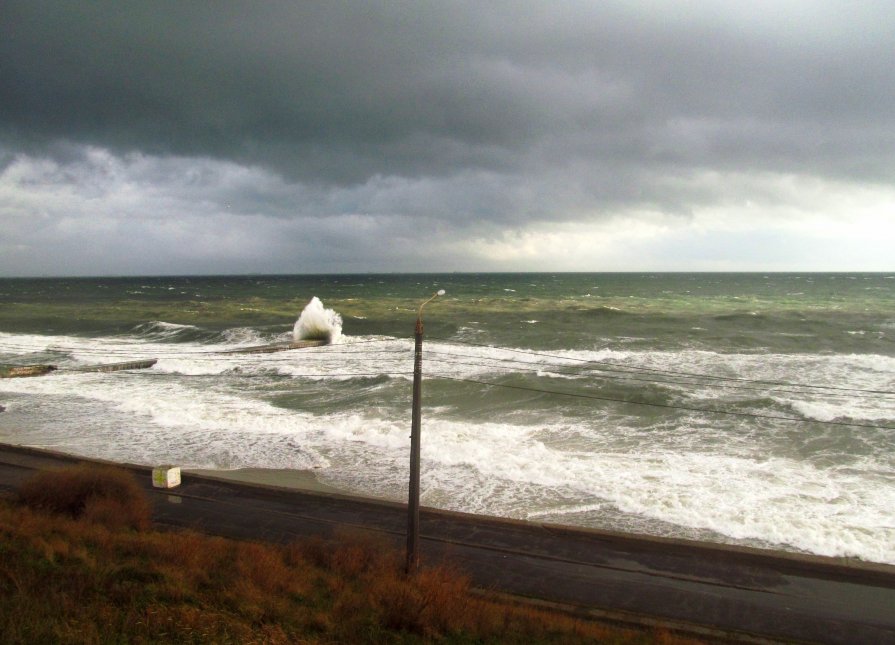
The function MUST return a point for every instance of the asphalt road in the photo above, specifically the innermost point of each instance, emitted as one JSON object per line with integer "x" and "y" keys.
{"x": 720, "y": 592}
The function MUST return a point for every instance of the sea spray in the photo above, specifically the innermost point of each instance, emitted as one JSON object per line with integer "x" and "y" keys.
{"x": 317, "y": 323}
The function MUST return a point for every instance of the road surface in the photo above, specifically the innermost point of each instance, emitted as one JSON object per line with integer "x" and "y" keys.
{"x": 720, "y": 592}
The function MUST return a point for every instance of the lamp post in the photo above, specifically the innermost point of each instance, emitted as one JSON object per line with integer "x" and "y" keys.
{"x": 413, "y": 501}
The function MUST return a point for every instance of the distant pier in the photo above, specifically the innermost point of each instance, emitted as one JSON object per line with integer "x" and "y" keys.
{"x": 20, "y": 371}
{"x": 278, "y": 347}
{"x": 117, "y": 367}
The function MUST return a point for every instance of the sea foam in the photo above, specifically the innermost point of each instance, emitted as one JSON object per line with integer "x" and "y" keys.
{"x": 827, "y": 490}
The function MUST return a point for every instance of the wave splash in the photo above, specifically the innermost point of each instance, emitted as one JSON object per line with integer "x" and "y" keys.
{"x": 317, "y": 323}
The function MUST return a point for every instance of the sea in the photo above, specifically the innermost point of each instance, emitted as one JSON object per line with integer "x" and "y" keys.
{"x": 751, "y": 409}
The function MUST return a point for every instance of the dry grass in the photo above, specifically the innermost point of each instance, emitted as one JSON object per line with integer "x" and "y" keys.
{"x": 66, "y": 578}
{"x": 106, "y": 495}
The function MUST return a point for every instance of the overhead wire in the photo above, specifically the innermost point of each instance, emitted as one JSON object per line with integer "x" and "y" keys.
{"x": 671, "y": 372}
{"x": 630, "y": 373}
{"x": 268, "y": 375}
{"x": 580, "y": 395}
{"x": 237, "y": 353}
{"x": 545, "y": 369}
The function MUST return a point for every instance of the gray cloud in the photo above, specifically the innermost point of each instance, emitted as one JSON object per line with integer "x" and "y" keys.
{"x": 471, "y": 119}
{"x": 341, "y": 92}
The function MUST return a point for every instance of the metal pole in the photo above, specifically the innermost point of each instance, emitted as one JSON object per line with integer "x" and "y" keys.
{"x": 413, "y": 499}
{"x": 413, "y": 503}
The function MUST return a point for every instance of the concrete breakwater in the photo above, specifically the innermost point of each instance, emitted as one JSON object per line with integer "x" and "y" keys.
{"x": 20, "y": 371}
{"x": 278, "y": 347}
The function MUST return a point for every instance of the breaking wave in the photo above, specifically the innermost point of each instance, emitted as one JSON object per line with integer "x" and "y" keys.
{"x": 318, "y": 323}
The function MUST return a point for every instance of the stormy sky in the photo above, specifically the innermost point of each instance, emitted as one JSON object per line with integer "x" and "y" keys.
{"x": 172, "y": 137}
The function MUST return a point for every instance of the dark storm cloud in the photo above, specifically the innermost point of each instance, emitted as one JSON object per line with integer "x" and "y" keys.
{"x": 343, "y": 91}
{"x": 313, "y": 88}
{"x": 479, "y": 124}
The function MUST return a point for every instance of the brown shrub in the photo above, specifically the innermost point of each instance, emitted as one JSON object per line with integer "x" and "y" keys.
{"x": 348, "y": 553}
{"x": 105, "y": 495}
{"x": 371, "y": 592}
{"x": 69, "y": 581}
{"x": 429, "y": 602}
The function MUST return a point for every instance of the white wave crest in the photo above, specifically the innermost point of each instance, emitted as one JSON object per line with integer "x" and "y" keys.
{"x": 242, "y": 336}
{"x": 161, "y": 329}
{"x": 317, "y": 323}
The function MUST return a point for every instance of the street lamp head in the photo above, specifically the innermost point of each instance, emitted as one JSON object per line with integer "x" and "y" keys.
{"x": 419, "y": 316}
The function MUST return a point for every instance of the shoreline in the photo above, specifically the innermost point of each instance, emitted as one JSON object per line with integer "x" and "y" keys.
{"x": 305, "y": 482}
{"x": 714, "y": 593}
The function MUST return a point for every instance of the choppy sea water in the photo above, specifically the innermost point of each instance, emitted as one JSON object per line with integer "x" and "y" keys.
{"x": 740, "y": 408}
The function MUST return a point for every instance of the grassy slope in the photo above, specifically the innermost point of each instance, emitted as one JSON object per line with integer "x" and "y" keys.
{"x": 96, "y": 579}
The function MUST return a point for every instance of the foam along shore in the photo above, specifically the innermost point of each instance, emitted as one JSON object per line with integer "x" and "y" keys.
{"x": 281, "y": 477}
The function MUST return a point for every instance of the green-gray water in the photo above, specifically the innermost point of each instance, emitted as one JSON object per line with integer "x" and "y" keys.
{"x": 570, "y": 440}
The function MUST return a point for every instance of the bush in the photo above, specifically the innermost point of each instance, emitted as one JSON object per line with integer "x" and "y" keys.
{"x": 106, "y": 495}
{"x": 430, "y": 602}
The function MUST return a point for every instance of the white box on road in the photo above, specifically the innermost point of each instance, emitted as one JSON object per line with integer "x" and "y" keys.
{"x": 166, "y": 476}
